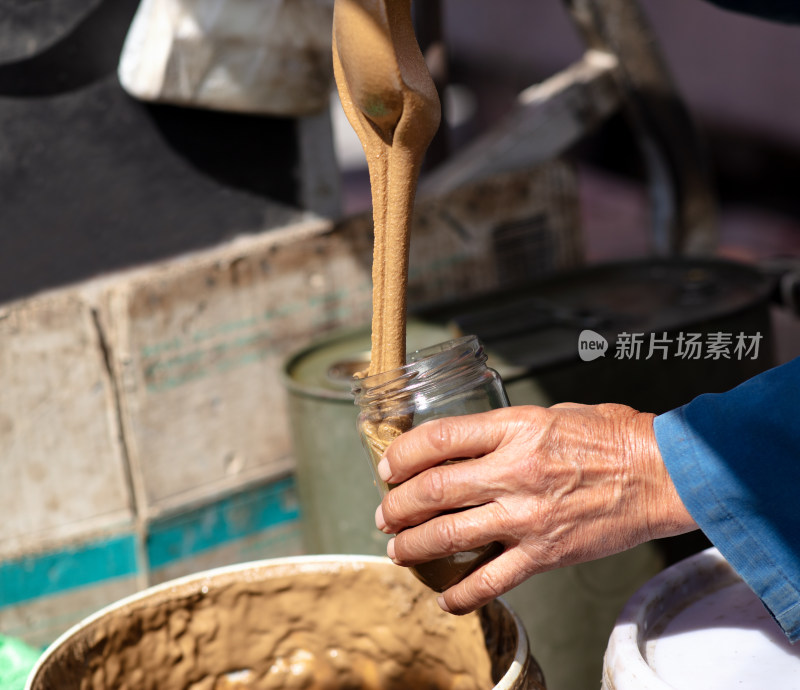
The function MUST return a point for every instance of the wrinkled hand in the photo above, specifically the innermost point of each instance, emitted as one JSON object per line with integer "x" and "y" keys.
{"x": 555, "y": 486}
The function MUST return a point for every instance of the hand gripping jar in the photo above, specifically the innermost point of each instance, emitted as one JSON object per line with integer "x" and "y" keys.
{"x": 444, "y": 380}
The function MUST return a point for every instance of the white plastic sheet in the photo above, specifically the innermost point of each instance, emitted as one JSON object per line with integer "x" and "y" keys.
{"x": 255, "y": 56}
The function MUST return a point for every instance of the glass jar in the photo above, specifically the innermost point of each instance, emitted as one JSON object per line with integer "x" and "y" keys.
{"x": 444, "y": 380}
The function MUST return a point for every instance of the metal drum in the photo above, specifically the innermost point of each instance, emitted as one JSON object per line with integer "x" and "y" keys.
{"x": 337, "y": 493}
{"x": 697, "y": 626}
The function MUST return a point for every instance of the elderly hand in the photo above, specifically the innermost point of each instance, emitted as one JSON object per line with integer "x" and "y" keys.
{"x": 556, "y": 486}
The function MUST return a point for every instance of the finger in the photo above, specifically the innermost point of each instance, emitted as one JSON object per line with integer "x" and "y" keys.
{"x": 447, "y": 487}
{"x": 433, "y": 442}
{"x": 488, "y": 582}
{"x": 447, "y": 534}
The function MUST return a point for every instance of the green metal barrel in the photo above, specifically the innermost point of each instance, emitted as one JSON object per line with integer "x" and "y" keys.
{"x": 338, "y": 496}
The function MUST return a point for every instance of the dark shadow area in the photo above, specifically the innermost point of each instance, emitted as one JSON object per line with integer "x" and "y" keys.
{"x": 246, "y": 152}
{"x": 85, "y": 55}
{"x": 676, "y": 549}
{"x": 94, "y": 181}
{"x": 747, "y": 169}
{"x": 28, "y": 28}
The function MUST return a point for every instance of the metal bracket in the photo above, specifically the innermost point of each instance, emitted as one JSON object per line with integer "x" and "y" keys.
{"x": 622, "y": 69}
{"x": 683, "y": 206}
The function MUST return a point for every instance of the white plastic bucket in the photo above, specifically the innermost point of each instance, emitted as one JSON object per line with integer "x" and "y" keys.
{"x": 697, "y": 626}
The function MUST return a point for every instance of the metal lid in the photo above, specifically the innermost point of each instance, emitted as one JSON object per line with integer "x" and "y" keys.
{"x": 537, "y": 325}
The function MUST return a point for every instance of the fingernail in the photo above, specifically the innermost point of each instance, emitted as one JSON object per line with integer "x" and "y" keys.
{"x": 442, "y": 604}
{"x": 379, "y": 521}
{"x": 384, "y": 471}
{"x": 390, "y": 548}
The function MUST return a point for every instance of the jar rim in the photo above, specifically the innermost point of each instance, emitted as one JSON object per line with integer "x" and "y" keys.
{"x": 420, "y": 366}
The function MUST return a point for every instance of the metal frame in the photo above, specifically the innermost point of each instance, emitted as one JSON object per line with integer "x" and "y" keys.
{"x": 622, "y": 69}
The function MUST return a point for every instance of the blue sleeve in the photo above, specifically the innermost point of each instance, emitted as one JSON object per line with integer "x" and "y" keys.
{"x": 735, "y": 460}
{"x": 779, "y": 10}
